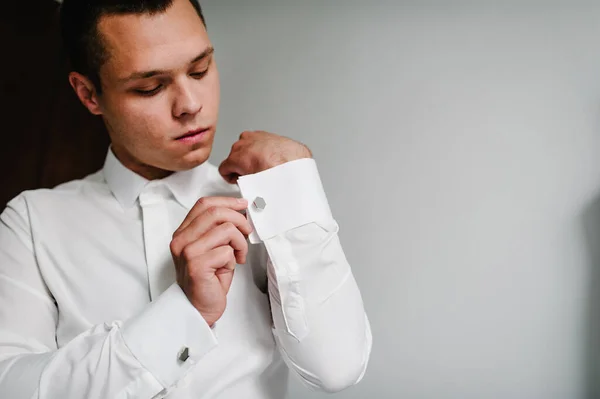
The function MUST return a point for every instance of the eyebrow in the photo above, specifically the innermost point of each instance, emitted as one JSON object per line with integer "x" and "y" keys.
{"x": 149, "y": 74}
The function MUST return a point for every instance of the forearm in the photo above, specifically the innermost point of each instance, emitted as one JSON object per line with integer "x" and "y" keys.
{"x": 136, "y": 358}
{"x": 320, "y": 323}
{"x": 96, "y": 364}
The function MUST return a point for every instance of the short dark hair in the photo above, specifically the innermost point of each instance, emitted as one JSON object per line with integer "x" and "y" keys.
{"x": 79, "y": 29}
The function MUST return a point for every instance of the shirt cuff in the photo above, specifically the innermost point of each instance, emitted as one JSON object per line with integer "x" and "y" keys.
{"x": 160, "y": 334}
{"x": 289, "y": 195}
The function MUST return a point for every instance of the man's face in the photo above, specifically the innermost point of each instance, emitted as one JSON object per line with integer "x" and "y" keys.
{"x": 160, "y": 89}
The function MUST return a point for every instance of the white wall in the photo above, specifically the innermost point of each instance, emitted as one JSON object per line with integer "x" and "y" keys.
{"x": 460, "y": 148}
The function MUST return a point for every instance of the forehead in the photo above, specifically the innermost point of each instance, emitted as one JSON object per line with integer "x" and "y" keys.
{"x": 142, "y": 42}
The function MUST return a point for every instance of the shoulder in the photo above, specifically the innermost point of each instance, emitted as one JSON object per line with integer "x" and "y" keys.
{"x": 79, "y": 189}
{"x": 60, "y": 200}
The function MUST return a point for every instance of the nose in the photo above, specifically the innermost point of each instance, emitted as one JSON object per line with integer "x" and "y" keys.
{"x": 187, "y": 102}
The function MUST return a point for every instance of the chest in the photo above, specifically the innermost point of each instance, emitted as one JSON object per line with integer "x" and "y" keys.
{"x": 103, "y": 274}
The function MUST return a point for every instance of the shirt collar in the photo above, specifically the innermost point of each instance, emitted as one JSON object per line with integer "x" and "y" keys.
{"x": 127, "y": 185}
{"x": 187, "y": 185}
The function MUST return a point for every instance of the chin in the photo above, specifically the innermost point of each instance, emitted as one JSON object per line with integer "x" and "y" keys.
{"x": 193, "y": 159}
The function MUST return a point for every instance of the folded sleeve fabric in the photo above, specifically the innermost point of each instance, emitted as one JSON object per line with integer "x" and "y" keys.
{"x": 142, "y": 357}
{"x": 319, "y": 320}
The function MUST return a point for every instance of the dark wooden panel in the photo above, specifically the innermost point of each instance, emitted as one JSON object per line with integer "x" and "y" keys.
{"x": 77, "y": 141}
{"x": 47, "y": 136}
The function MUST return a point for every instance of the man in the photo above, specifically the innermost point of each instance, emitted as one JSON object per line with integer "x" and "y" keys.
{"x": 138, "y": 281}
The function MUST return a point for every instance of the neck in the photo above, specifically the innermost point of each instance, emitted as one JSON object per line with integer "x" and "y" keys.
{"x": 148, "y": 172}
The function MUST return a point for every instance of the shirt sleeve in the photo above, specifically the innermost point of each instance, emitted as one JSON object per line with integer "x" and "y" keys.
{"x": 141, "y": 357}
{"x": 320, "y": 324}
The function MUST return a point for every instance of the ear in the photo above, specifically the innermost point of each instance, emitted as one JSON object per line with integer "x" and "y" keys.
{"x": 85, "y": 90}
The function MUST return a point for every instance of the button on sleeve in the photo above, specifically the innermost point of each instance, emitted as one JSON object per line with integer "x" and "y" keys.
{"x": 283, "y": 198}
{"x": 169, "y": 337}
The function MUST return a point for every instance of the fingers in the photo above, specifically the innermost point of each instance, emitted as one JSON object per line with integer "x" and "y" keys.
{"x": 225, "y": 266}
{"x": 226, "y": 234}
{"x": 203, "y": 204}
{"x": 239, "y": 162}
{"x": 230, "y": 170}
{"x": 231, "y": 178}
{"x": 222, "y": 257}
{"x": 210, "y": 219}
{"x": 219, "y": 262}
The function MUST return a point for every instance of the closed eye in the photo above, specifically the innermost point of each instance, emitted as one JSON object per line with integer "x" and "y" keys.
{"x": 199, "y": 75}
{"x": 150, "y": 92}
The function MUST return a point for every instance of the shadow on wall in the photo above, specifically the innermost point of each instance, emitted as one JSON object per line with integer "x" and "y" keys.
{"x": 591, "y": 225}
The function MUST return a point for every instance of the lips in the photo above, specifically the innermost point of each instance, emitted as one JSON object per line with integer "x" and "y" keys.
{"x": 191, "y": 134}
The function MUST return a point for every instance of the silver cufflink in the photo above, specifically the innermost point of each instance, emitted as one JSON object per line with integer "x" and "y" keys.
{"x": 259, "y": 203}
{"x": 184, "y": 354}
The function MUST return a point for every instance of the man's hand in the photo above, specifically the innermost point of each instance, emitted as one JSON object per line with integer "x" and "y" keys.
{"x": 258, "y": 151}
{"x": 206, "y": 248}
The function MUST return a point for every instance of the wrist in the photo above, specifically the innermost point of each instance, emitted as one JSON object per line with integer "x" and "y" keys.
{"x": 279, "y": 159}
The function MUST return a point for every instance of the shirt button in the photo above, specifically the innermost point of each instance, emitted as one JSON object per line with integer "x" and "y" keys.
{"x": 184, "y": 354}
{"x": 259, "y": 203}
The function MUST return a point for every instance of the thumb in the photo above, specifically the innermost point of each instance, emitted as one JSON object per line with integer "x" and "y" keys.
{"x": 229, "y": 171}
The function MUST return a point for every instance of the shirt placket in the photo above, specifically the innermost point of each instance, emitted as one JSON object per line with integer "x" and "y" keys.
{"x": 157, "y": 236}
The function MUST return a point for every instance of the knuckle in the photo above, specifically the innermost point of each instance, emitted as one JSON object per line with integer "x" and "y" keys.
{"x": 224, "y": 253}
{"x": 202, "y": 202}
{"x": 230, "y": 253}
{"x": 245, "y": 134}
{"x": 192, "y": 273}
{"x": 174, "y": 246}
{"x": 187, "y": 254}
{"x": 236, "y": 149}
{"x": 213, "y": 211}
{"x": 229, "y": 227}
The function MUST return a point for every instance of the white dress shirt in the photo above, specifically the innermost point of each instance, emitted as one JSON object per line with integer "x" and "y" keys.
{"x": 89, "y": 307}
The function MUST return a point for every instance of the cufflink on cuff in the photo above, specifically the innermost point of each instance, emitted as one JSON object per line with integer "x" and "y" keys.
{"x": 259, "y": 203}
{"x": 184, "y": 354}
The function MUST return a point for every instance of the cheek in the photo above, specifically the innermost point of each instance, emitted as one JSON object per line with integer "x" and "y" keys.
{"x": 148, "y": 118}
{"x": 136, "y": 130}
{"x": 214, "y": 92}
